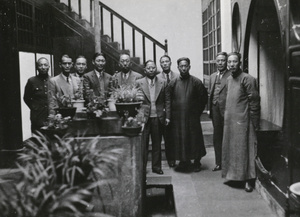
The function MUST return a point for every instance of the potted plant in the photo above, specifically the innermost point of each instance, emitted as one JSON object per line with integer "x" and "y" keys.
{"x": 96, "y": 106}
{"x": 78, "y": 100}
{"x": 55, "y": 125}
{"x": 127, "y": 98}
{"x": 133, "y": 125}
{"x": 65, "y": 106}
{"x": 61, "y": 181}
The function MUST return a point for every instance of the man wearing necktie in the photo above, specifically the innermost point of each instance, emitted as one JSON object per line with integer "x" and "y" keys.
{"x": 97, "y": 80}
{"x": 156, "y": 106}
{"x": 126, "y": 76}
{"x": 217, "y": 99}
{"x": 167, "y": 74}
{"x": 63, "y": 84}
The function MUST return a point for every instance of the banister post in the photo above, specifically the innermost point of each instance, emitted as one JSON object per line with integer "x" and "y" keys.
{"x": 97, "y": 26}
{"x": 166, "y": 47}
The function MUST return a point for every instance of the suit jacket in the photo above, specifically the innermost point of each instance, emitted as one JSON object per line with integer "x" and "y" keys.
{"x": 163, "y": 103}
{"x": 58, "y": 84}
{"x": 91, "y": 81}
{"x": 172, "y": 75}
{"x": 133, "y": 76}
{"x": 222, "y": 91}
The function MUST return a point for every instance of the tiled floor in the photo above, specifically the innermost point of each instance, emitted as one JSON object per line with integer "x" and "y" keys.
{"x": 204, "y": 194}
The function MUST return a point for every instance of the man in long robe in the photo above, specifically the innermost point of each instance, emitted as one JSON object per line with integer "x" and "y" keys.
{"x": 242, "y": 114}
{"x": 188, "y": 100}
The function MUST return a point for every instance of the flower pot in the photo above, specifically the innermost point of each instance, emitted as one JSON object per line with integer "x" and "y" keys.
{"x": 131, "y": 107}
{"x": 110, "y": 125}
{"x": 50, "y": 133}
{"x": 131, "y": 131}
{"x": 65, "y": 112}
{"x": 78, "y": 104}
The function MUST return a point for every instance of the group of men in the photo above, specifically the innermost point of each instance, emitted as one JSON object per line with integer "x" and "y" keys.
{"x": 173, "y": 104}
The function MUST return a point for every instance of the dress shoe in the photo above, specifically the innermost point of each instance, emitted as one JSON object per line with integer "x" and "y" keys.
{"x": 218, "y": 167}
{"x": 183, "y": 166}
{"x": 158, "y": 171}
{"x": 248, "y": 187}
{"x": 171, "y": 163}
{"x": 197, "y": 166}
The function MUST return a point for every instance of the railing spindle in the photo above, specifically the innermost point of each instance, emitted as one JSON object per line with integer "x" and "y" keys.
{"x": 91, "y": 12}
{"x": 69, "y": 5}
{"x": 101, "y": 20}
{"x": 112, "y": 26}
{"x": 122, "y": 33}
{"x": 79, "y": 9}
{"x": 144, "y": 49}
{"x": 166, "y": 47}
{"x": 133, "y": 42}
{"x": 154, "y": 52}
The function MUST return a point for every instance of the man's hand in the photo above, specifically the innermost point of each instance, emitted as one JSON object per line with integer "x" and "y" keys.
{"x": 167, "y": 121}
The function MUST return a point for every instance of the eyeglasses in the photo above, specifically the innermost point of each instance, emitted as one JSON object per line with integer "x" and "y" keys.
{"x": 124, "y": 61}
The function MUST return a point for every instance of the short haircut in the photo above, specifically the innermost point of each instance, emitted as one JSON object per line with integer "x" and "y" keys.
{"x": 165, "y": 56}
{"x": 221, "y": 54}
{"x": 149, "y": 61}
{"x": 42, "y": 58}
{"x": 235, "y": 54}
{"x": 98, "y": 54}
{"x": 80, "y": 56}
{"x": 183, "y": 58}
{"x": 127, "y": 54}
{"x": 65, "y": 56}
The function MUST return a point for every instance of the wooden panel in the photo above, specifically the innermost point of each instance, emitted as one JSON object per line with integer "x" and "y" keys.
{"x": 271, "y": 77}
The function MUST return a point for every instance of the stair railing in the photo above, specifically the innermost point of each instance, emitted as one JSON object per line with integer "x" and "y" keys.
{"x": 113, "y": 14}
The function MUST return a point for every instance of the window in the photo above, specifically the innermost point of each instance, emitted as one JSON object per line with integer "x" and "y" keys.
{"x": 211, "y": 36}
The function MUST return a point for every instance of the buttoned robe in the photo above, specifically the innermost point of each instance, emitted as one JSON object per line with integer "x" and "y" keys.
{"x": 188, "y": 100}
{"x": 241, "y": 118}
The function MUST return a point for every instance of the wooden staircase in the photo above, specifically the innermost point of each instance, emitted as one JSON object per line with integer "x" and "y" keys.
{"x": 84, "y": 29}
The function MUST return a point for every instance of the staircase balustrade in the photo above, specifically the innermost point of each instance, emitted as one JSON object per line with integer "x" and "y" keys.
{"x": 112, "y": 15}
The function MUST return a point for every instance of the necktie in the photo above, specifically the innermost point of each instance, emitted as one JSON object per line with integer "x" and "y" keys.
{"x": 168, "y": 78}
{"x": 152, "y": 82}
{"x": 68, "y": 79}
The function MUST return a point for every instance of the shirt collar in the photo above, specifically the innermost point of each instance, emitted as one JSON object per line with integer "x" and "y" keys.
{"x": 149, "y": 80}
{"x": 65, "y": 77}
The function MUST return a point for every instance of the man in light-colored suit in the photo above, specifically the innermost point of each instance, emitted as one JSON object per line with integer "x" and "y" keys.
{"x": 63, "y": 84}
{"x": 157, "y": 113}
{"x": 167, "y": 74}
{"x": 97, "y": 80}
{"x": 217, "y": 99}
{"x": 126, "y": 75}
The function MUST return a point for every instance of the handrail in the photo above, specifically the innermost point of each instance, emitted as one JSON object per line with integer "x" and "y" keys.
{"x": 123, "y": 21}
{"x": 132, "y": 25}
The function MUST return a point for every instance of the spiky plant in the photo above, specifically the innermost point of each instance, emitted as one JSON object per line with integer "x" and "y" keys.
{"x": 59, "y": 179}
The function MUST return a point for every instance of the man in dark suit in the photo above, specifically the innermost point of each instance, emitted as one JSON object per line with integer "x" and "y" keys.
{"x": 97, "y": 80}
{"x": 155, "y": 102}
{"x": 36, "y": 95}
{"x": 63, "y": 84}
{"x": 217, "y": 99}
{"x": 126, "y": 75}
{"x": 167, "y": 74}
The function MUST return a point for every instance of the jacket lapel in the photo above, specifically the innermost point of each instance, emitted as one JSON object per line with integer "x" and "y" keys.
{"x": 63, "y": 85}
{"x": 214, "y": 79}
{"x": 158, "y": 86}
{"x": 145, "y": 87}
{"x": 224, "y": 80}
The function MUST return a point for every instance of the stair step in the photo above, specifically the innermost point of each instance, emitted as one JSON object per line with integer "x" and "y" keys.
{"x": 115, "y": 45}
{"x": 106, "y": 38}
{"x": 86, "y": 24}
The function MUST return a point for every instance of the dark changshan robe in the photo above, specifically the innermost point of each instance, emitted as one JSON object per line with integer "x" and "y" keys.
{"x": 188, "y": 100}
{"x": 241, "y": 118}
